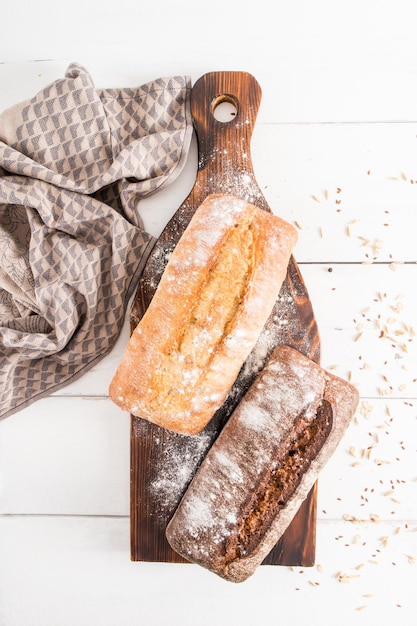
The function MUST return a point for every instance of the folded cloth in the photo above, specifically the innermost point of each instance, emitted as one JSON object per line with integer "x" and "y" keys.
{"x": 74, "y": 163}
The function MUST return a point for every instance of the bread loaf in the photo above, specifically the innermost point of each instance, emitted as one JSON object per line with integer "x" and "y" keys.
{"x": 214, "y": 297}
{"x": 262, "y": 466}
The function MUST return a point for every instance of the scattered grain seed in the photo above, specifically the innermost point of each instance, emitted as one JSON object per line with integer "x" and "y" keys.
{"x": 394, "y": 265}
{"x": 346, "y": 578}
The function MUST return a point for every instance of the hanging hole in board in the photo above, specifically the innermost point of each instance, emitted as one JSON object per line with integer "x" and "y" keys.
{"x": 224, "y": 108}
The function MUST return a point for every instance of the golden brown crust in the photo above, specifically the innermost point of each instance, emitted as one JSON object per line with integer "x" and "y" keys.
{"x": 214, "y": 297}
{"x": 262, "y": 466}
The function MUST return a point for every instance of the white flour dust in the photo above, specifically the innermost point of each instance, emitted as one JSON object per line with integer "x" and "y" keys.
{"x": 178, "y": 460}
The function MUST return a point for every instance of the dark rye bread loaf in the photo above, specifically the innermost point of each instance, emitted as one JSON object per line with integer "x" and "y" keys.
{"x": 262, "y": 466}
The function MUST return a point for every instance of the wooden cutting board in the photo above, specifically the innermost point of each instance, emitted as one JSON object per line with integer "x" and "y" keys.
{"x": 163, "y": 463}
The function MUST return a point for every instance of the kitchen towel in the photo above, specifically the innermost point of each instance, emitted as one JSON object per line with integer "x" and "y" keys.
{"x": 74, "y": 163}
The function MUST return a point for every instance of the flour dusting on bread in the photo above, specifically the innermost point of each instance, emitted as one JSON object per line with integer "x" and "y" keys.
{"x": 213, "y": 299}
{"x": 262, "y": 465}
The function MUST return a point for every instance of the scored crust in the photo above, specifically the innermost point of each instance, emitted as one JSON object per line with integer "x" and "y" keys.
{"x": 262, "y": 465}
{"x": 213, "y": 299}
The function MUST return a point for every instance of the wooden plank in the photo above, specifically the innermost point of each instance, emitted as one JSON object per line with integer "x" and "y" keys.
{"x": 350, "y": 188}
{"x": 366, "y": 315}
{"x": 63, "y": 466}
{"x": 65, "y": 456}
{"x": 56, "y": 559}
{"x": 340, "y": 314}
{"x": 314, "y": 74}
{"x": 372, "y": 474}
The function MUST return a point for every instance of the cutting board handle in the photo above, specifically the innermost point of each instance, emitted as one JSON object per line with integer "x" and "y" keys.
{"x": 224, "y": 146}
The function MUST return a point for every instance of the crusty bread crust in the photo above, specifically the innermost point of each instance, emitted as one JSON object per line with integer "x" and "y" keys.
{"x": 225, "y": 500}
{"x": 214, "y": 297}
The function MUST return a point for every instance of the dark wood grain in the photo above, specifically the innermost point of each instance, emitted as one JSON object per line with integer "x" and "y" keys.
{"x": 224, "y": 166}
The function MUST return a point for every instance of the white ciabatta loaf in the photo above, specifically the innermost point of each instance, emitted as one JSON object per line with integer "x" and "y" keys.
{"x": 262, "y": 465}
{"x": 214, "y": 297}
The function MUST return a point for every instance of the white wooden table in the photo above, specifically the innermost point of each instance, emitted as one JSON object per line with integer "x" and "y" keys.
{"x": 335, "y": 152}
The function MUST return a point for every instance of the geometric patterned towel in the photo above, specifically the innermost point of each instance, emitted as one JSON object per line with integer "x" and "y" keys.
{"x": 74, "y": 163}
